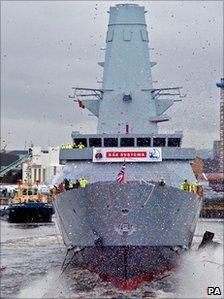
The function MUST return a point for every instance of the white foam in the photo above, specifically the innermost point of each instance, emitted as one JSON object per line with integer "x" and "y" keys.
{"x": 200, "y": 270}
{"x": 50, "y": 286}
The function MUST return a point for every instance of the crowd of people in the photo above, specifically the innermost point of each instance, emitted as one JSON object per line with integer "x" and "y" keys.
{"x": 191, "y": 187}
{"x": 69, "y": 146}
{"x": 7, "y": 192}
{"x": 186, "y": 186}
{"x": 69, "y": 184}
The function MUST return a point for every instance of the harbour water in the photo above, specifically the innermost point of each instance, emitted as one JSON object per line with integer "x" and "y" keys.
{"x": 32, "y": 255}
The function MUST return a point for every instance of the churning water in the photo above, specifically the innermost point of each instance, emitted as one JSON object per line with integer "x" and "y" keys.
{"x": 31, "y": 257}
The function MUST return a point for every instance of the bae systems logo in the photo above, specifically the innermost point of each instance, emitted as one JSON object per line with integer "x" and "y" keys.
{"x": 130, "y": 155}
{"x": 154, "y": 154}
{"x": 98, "y": 156}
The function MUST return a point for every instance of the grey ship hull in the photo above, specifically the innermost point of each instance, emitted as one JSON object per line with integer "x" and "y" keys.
{"x": 127, "y": 233}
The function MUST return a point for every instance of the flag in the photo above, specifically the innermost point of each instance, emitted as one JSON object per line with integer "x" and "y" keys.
{"x": 120, "y": 176}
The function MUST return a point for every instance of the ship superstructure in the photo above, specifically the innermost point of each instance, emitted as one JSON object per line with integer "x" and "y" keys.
{"x": 133, "y": 230}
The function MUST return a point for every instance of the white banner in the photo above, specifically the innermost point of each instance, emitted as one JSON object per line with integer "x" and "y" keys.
{"x": 127, "y": 154}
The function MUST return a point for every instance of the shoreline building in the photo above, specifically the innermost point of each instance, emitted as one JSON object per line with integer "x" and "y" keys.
{"x": 43, "y": 165}
{"x": 221, "y": 150}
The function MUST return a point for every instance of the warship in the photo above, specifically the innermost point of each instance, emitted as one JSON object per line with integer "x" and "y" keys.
{"x": 135, "y": 229}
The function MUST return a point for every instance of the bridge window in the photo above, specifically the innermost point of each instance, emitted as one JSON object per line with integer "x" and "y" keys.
{"x": 173, "y": 141}
{"x": 127, "y": 142}
{"x": 159, "y": 141}
{"x": 95, "y": 142}
{"x": 82, "y": 140}
{"x": 110, "y": 142}
{"x": 143, "y": 141}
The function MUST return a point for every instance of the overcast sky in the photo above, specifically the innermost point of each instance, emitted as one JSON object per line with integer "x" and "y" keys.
{"x": 50, "y": 46}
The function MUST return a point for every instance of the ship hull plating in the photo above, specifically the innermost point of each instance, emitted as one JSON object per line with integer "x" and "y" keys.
{"x": 127, "y": 232}
{"x": 126, "y": 266}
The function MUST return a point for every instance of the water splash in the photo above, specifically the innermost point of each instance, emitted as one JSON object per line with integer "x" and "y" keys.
{"x": 200, "y": 270}
{"x": 33, "y": 259}
{"x": 40, "y": 288}
{"x": 197, "y": 271}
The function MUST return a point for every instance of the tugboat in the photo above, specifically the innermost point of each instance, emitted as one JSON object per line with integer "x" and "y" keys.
{"x": 29, "y": 206}
{"x": 132, "y": 221}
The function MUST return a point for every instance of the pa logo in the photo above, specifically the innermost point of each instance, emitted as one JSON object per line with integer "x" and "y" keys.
{"x": 213, "y": 291}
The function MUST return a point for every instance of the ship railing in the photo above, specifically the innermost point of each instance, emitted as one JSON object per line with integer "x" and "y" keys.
{"x": 81, "y": 92}
{"x": 159, "y": 93}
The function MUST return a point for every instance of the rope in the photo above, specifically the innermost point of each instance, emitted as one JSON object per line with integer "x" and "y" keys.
{"x": 69, "y": 262}
{"x": 66, "y": 266}
{"x": 150, "y": 194}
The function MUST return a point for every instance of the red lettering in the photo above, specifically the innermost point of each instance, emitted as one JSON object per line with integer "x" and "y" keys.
{"x": 126, "y": 154}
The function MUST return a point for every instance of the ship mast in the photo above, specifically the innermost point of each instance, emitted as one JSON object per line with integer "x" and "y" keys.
{"x": 127, "y": 98}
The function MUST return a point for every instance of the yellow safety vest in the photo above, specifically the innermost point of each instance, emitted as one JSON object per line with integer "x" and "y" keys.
{"x": 70, "y": 184}
{"x": 194, "y": 187}
{"x": 81, "y": 146}
{"x": 83, "y": 183}
{"x": 86, "y": 182}
{"x": 185, "y": 186}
